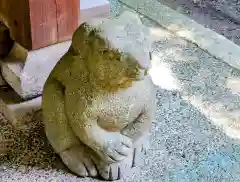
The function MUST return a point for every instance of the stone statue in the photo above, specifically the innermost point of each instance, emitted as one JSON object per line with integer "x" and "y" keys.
{"x": 99, "y": 100}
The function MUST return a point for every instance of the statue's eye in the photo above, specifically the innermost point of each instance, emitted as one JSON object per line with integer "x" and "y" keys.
{"x": 118, "y": 56}
{"x": 92, "y": 33}
{"x": 104, "y": 51}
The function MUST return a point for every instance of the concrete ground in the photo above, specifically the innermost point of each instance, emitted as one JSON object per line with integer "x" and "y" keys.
{"x": 196, "y": 134}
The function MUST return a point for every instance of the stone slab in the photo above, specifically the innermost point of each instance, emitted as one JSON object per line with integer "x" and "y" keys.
{"x": 94, "y": 8}
{"x": 184, "y": 27}
{"x": 28, "y": 79}
{"x": 23, "y": 110}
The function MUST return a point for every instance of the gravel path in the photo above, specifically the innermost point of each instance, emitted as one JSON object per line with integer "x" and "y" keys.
{"x": 195, "y": 136}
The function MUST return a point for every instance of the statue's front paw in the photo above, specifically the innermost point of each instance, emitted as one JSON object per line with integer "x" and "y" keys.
{"x": 116, "y": 148}
{"x": 115, "y": 171}
{"x": 79, "y": 160}
{"x": 140, "y": 151}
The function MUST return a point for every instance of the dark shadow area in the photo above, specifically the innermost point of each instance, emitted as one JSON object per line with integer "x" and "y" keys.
{"x": 8, "y": 95}
{"x": 6, "y": 43}
{"x": 31, "y": 147}
{"x": 222, "y": 16}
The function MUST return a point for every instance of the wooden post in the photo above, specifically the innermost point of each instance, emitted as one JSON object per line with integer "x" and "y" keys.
{"x": 39, "y": 23}
{"x": 68, "y": 13}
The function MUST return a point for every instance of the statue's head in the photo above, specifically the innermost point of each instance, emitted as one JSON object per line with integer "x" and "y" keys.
{"x": 115, "y": 51}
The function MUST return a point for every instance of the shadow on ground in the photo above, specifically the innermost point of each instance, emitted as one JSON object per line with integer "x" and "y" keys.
{"x": 31, "y": 147}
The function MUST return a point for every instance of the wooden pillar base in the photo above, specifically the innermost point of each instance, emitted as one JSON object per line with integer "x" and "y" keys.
{"x": 39, "y": 23}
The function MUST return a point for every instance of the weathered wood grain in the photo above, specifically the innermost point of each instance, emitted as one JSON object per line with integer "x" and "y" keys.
{"x": 68, "y": 12}
{"x": 39, "y": 23}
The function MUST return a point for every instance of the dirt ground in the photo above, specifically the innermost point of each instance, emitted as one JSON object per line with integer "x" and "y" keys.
{"x": 222, "y": 16}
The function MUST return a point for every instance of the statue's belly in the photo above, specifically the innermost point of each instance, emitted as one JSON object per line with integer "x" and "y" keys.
{"x": 116, "y": 114}
{"x": 116, "y": 111}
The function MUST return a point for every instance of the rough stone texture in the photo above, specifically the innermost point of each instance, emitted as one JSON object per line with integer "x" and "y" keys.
{"x": 198, "y": 100}
{"x": 110, "y": 79}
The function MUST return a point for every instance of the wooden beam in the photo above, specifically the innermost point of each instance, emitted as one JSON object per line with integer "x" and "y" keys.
{"x": 68, "y": 12}
{"x": 43, "y": 23}
{"x": 16, "y": 16}
{"x": 39, "y": 23}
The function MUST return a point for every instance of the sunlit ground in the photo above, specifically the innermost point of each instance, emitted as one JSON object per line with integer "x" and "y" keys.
{"x": 163, "y": 76}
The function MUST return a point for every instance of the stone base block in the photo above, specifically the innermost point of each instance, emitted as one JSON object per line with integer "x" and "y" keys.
{"x": 28, "y": 78}
{"x": 22, "y": 109}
